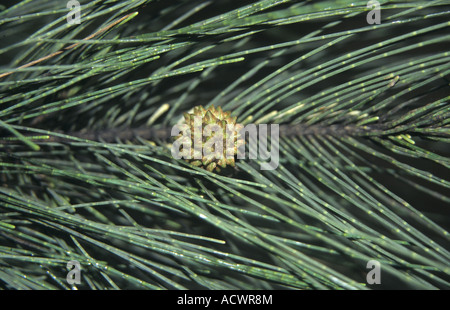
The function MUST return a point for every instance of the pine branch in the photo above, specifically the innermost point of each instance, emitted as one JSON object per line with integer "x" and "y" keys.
{"x": 86, "y": 175}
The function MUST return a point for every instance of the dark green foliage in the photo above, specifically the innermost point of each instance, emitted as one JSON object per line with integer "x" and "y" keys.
{"x": 364, "y": 155}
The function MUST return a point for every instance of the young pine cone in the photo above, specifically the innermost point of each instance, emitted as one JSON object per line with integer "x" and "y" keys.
{"x": 213, "y": 136}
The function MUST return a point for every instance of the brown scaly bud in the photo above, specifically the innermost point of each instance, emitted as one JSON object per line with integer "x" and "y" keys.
{"x": 223, "y": 130}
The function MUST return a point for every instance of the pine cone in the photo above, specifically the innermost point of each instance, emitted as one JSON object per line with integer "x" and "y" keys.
{"x": 212, "y": 116}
